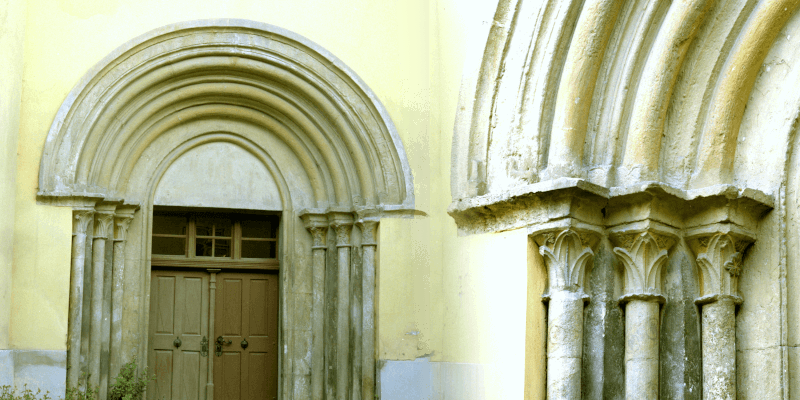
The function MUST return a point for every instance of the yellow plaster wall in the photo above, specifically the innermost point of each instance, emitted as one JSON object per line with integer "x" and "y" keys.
{"x": 479, "y": 283}
{"x": 12, "y": 31}
{"x": 386, "y": 43}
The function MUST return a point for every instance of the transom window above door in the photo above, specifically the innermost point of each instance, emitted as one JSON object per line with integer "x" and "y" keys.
{"x": 214, "y": 239}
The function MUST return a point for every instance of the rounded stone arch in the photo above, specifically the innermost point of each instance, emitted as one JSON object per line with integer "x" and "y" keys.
{"x": 329, "y": 147}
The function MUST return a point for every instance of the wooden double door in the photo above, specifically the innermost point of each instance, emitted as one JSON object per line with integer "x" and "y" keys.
{"x": 213, "y": 335}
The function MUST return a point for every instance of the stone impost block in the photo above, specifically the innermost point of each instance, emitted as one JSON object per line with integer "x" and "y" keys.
{"x": 652, "y": 202}
{"x": 643, "y": 247}
{"x": 531, "y": 205}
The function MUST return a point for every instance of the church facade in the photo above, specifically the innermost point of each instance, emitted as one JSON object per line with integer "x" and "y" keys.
{"x": 401, "y": 200}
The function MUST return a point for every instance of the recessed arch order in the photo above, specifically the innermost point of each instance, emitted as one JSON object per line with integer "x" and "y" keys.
{"x": 330, "y": 146}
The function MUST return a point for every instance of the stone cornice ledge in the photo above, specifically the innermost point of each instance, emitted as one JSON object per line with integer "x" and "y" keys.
{"x": 548, "y": 201}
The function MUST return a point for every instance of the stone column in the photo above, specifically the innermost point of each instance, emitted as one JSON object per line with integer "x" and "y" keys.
{"x": 343, "y": 224}
{"x": 642, "y": 249}
{"x": 719, "y": 258}
{"x": 102, "y": 228}
{"x": 369, "y": 244}
{"x": 121, "y": 223}
{"x": 317, "y": 225}
{"x": 80, "y": 225}
{"x": 567, "y": 251}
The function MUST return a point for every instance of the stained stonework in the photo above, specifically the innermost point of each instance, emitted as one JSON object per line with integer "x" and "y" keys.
{"x": 323, "y": 154}
{"x": 642, "y": 115}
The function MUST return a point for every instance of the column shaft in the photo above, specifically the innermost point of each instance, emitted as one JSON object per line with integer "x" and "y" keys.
{"x": 96, "y": 331}
{"x": 355, "y": 331}
{"x": 719, "y": 350}
{"x": 641, "y": 349}
{"x": 343, "y": 324}
{"x": 368, "y": 321}
{"x": 81, "y": 219}
{"x": 564, "y": 345}
{"x": 318, "y": 322}
{"x": 117, "y": 279}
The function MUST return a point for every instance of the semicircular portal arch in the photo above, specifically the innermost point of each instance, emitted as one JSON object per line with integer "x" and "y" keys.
{"x": 277, "y": 110}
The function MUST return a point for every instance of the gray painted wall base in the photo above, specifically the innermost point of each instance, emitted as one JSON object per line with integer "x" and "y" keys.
{"x": 39, "y": 369}
{"x": 422, "y": 379}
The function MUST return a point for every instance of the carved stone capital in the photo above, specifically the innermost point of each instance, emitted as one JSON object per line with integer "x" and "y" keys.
{"x": 719, "y": 249}
{"x": 80, "y": 221}
{"x": 121, "y": 224}
{"x": 103, "y": 224}
{"x": 317, "y": 225}
{"x": 369, "y": 232}
{"x": 567, "y": 249}
{"x": 643, "y": 248}
{"x": 342, "y": 223}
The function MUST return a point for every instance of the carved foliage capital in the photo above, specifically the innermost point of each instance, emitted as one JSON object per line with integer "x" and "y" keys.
{"x": 342, "y": 233}
{"x": 342, "y": 223}
{"x": 566, "y": 254}
{"x": 643, "y": 255}
{"x": 121, "y": 224}
{"x": 81, "y": 220}
{"x": 369, "y": 232}
{"x": 103, "y": 224}
{"x": 719, "y": 261}
{"x": 319, "y": 235}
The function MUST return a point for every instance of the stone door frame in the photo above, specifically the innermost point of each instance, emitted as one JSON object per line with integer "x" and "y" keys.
{"x": 325, "y": 138}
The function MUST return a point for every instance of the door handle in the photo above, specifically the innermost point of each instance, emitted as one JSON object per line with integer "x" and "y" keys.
{"x": 219, "y": 342}
{"x": 177, "y": 342}
{"x": 244, "y": 343}
{"x": 204, "y": 347}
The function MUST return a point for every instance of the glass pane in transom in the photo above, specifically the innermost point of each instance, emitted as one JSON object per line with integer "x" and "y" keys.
{"x": 169, "y": 246}
{"x": 265, "y": 226}
{"x": 203, "y": 247}
{"x": 214, "y": 226}
{"x": 222, "y": 248}
{"x": 258, "y": 249}
{"x": 164, "y": 224}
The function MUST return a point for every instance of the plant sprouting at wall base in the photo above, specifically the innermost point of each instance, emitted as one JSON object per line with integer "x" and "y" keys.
{"x": 128, "y": 384}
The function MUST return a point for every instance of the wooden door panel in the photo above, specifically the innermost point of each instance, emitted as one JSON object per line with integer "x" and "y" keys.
{"x": 246, "y": 309}
{"x": 178, "y": 310}
{"x": 164, "y": 289}
{"x": 161, "y": 388}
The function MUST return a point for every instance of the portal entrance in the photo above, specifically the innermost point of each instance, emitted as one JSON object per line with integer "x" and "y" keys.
{"x": 213, "y": 306}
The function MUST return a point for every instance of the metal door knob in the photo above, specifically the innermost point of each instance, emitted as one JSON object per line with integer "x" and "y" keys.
{"x": 244, "y": 343}
{"x": 177, "y": 343}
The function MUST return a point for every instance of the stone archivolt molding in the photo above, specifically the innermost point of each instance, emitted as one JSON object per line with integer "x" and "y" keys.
{"x": 608, "y": 92}
{"x": 317, "y": 128}
{"x": 631, "y": 118}
{"x": 239, "y": 72}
